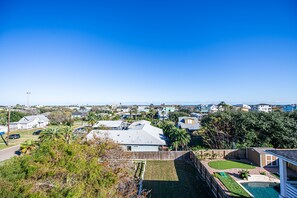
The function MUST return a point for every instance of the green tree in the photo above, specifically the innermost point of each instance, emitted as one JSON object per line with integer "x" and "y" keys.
{"x": 51, "y": 134}
{"x": 179, "y": 138}
{"x": 92, "y": 118}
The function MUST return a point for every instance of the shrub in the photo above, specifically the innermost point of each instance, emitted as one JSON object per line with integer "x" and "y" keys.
{"x": 263, "y": 173}
{"x": 244, "y": 174}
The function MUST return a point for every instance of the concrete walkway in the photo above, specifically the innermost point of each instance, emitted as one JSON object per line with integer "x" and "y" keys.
{"x": 9, "y": 152}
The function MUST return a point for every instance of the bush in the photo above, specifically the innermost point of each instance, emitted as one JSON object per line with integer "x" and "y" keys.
{"x": 58, "y": 169}
{"x": 263, "y": 173}
{"x": 244, "y": 174}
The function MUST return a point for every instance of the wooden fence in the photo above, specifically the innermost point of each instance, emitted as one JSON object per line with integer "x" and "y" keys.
{"x": 160, "y": 155}
{"x": 211, "y": 182}
{"x": 221, "y": 154}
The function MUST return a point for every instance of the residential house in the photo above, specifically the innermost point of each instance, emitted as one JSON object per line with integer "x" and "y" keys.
{"x": 259, "y": 157}
{"x": 29, "y": 122}
{"x": 197, "y": 115}
{"x": 212, "y": 108}
{"x": 109, "y": 124}
{"x": 3, "y": 128}
{"x": 262, "y": 108}
{"x": 288, "y": 189}
{"x": 242, "y": 107}
{"x": 163, "y": 113}
{"x": 141, "y": 136}
{"x": 203, "y": 108}
{"x": 189, "y": 123}
{"x": 143, "y": 109}
{"x": 77, "y": 114}
{"x": 289, "y": 108}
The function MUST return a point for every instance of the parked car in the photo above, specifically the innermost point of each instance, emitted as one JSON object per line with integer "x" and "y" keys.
{"x": 14, "y": 136}
{"x": 36, "y": 132}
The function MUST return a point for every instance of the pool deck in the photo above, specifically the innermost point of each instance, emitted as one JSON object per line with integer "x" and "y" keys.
{"x": 255, "y": 173}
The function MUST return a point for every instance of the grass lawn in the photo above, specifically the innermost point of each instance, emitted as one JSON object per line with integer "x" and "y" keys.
{"x": 227, "y": 164}
{"x": 174, "y": 179}
{"x": 25, "y": 135}
{"x": 234, "y": 188}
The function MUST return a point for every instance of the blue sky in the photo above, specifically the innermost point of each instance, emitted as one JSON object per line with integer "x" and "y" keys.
{"x": 94, "y": 52}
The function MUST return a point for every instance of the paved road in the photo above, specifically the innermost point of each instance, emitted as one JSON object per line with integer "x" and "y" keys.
{"x": 9, "y": 152}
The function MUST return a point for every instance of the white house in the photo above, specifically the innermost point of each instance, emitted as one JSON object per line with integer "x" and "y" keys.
{"x": 110, "y": 124}
{"x": 141, "y": 136}
{"x": 212, "y": 108}
{"x": 262, "y": 107}
{"x": 243, "y": 107}
{"x": 288, "y": 189}
{"x": 3, "y": 128}
{"x": 29, "y": 122}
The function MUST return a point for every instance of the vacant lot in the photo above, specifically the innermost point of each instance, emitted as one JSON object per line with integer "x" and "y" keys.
{"x": 227, "y": 164}
{"x": 172, "y": 179}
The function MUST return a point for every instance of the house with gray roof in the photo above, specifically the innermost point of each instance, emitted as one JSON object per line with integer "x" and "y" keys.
{"x": 288, "y": 189}
{"x": 141, "y": 136}
{"x": 29, "y": 122}
{"x": 189, "y": 123}
{"x": 109, "y": 124}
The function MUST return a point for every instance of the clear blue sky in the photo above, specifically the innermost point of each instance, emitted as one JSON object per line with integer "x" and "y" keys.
{"x": 148, "y": 51}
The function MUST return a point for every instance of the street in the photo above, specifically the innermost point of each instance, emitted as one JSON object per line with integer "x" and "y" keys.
{"x": 9, "y": 152}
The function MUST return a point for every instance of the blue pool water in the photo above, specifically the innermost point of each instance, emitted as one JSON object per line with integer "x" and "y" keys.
{"x": 262, "y": 189}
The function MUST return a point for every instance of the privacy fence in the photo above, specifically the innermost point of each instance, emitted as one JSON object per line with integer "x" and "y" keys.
{"x": 160, "y": 155}
{"x": 211, "y": 182}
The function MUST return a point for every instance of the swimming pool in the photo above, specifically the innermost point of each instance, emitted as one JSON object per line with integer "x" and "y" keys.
{"x": 262, "y": 189}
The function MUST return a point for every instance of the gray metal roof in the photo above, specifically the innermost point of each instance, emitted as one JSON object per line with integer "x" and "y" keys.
{"x": 144, "y": 134}
{"x": 287, "y": 155}
{"x": 28, "y": 119}
{"x": 183, "y": 125}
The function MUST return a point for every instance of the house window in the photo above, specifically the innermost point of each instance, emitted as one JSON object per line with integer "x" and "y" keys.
{"x": 129, "y": 148}
{"x": 270, "y": 161}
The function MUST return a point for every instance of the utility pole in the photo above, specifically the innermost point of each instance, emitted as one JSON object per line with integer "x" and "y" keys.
{"x": 8, "y": 127}
{"x": 28, "y": 95}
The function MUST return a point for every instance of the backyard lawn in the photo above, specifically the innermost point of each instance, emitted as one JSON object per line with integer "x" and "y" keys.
{"x": 234, "y": 188}
{"x": 227, "y": 164}
{"x": 172, "y": 179}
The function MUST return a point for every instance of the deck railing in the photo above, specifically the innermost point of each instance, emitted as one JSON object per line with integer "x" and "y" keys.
{"x": 291, "y": 191}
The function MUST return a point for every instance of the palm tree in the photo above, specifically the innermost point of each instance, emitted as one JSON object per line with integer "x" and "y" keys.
{"x": 68, "y": 133}
{"x": 179, "y": 137}
{"x": 92, "y": 118}
{"x": 51, "y": 134}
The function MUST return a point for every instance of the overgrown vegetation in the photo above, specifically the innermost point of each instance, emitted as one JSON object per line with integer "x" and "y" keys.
{"x": 236, "y": 129}
{"x": 61, "y": 168}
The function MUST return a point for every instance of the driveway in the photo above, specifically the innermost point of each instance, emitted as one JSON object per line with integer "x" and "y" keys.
{"x": 9, "y": 152}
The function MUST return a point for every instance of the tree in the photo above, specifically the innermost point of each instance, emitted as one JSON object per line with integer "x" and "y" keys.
{"x": 235, "y": 129}
{"x": 58, "y": 169}
{"x": 60, "y": 117}
{"x": 92, "y": 118}
{"x": 68, "y": 133}
{"x": 179, "y": 138}
{"x": 52, "y": 134}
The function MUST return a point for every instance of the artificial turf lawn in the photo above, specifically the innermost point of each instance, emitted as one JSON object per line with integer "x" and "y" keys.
{"x": 227, "y": 164}
{"x": 172, "y": 179}
{"x": 234, "y": 188}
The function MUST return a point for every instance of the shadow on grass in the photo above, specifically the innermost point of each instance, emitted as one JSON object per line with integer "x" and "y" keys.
{"x": 187, "y": 185}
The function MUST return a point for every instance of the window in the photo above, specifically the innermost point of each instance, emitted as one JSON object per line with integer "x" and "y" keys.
{"x": 270, "y": 161}
{"x": 129, "y": 148}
